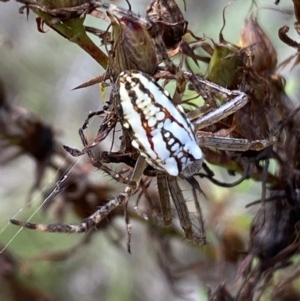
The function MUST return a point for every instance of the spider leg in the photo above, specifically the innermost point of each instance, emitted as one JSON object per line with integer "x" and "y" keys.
{"x": 90, "y": 116}
{"x": 235, "y": 144}
{"x": 108, "y": 123}
{"x": 164, "y": 197}
{"x": 171, "y": 67}
{"x": 181, "y": 209}
{"x": 239, "y": 99}
{"x": 96, "y": 217}
{"x": 195, "y": 186}
{"x": 144, "y": 185}
{"x": 87, "y": 223}
{"x": 99, "y": 164}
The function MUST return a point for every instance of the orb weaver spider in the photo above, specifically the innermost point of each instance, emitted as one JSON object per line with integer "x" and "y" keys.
{"x": 161, "y": 133}
{"x": 165, "y": 139}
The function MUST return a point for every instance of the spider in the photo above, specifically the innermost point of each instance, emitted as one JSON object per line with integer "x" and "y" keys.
{"x": 161, "y": 133}
{"x": 165, "y": 139}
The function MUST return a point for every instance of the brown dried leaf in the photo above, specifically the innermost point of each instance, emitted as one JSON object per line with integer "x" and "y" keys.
{"x": 262, "y": 49}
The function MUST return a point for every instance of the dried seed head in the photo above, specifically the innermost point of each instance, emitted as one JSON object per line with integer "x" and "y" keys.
{"x": 262, "y": 49}
{"x": 167, "y": 16}
{"x": 273, "y": 229}
{"x": 222, "y": 68}
{"x": 132, "y": 47}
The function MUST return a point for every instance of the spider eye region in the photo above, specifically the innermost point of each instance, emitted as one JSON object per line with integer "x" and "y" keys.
{"x": 159, "y": 129}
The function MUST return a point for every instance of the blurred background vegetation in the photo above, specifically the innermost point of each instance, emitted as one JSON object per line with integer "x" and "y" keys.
{"x": 38, "y": 72}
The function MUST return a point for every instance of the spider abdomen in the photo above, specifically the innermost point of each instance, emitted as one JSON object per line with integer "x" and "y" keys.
{"x": 158, "y": 129}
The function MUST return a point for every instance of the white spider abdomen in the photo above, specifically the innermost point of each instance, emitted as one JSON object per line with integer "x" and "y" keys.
{"x": 159, "y": 130}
